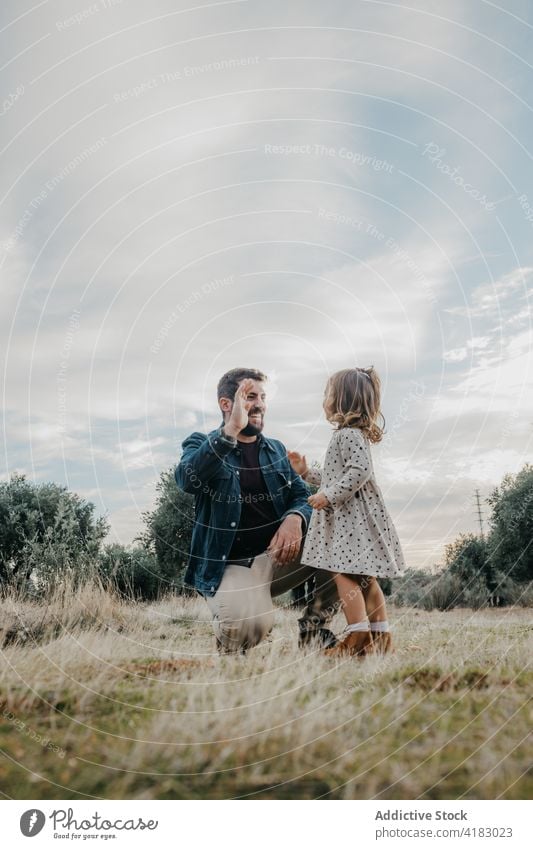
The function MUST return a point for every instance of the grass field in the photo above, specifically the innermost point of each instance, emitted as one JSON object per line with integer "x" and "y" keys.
{"x": 100, "y": 698}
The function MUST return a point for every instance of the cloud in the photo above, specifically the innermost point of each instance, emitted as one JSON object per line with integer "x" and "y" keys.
{"x": 186, "y": 190}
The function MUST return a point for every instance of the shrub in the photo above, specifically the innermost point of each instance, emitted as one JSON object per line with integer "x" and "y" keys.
{"x": 443, "y": 593}
{"x": 134, "y": 573}
{"x": 411, "y": 589}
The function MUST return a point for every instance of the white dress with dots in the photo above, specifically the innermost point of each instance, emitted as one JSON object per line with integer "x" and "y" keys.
{"x": 356, "y": 534}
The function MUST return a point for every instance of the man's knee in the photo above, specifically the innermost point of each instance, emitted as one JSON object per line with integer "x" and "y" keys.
{"x": 237, "y": 634}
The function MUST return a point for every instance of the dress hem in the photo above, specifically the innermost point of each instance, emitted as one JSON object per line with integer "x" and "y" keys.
{"x": 349, "y": 570}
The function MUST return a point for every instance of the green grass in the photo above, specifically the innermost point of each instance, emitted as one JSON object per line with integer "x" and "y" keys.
{"x": 138, "y": 705}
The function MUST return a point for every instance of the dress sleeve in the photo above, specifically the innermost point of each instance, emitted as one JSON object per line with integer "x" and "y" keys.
{"x": 357, "y": 467}
{"x": 314, "y": 476}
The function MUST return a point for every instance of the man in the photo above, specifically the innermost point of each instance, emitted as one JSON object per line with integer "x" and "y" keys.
{"x": 251, "y": 515}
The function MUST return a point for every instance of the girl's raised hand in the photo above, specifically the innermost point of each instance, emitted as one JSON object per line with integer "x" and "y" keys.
{"x": 298, "y": 462}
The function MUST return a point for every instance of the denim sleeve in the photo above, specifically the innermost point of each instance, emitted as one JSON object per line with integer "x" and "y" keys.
{"x": 201, "y": 459}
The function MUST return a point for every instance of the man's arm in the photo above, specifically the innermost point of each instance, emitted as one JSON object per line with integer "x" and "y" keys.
{"x": 203, "y": 455}
{"x": 202, "y": 458}
{"x": 286, "y": 542}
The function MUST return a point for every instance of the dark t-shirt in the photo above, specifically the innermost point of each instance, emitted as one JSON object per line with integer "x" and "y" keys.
{"x": 259, "y": 521}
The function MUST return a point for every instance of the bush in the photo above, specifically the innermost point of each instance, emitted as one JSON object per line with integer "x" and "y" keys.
{"x": 426, "y": 590}
{"x": 134, "y": 573}
{"x": 445, "y": 590}
{"x": 444, "y": 593}
{"x": 519, "y": 594}
{"x": 411, "y": 589}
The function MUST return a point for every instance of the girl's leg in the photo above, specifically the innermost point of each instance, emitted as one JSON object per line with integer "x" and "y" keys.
{"x": 374, "y": 598}
{"x": 358, "y": 639}
{"x": 377, "y": 613}
{"x": 352, "y": 598}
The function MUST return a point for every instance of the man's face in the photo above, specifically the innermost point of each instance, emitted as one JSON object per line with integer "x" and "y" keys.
{"x": 256, "y": 413}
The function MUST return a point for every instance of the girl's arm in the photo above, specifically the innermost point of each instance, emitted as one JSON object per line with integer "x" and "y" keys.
{"x": 299, "y": 465}
{"x": 313, "y": 476}
{"x": 357, "y": 467}
{"x": 298, "y": 462}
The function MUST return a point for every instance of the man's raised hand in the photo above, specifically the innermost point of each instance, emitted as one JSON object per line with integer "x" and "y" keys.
{"x": 239, "y": 414}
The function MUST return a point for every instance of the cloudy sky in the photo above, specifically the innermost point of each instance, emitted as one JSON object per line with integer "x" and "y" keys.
{"x": 297, "y": 187}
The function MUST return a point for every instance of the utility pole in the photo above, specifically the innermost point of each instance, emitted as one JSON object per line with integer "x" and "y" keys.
{"x": 479, "y": 514}
{"x": 492, "y": 583}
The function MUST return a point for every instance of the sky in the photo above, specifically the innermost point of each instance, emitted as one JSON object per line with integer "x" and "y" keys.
{"x": 296, "y": 187}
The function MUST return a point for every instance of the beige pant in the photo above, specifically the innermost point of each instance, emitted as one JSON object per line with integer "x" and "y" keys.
{"x": 243, "y": 613}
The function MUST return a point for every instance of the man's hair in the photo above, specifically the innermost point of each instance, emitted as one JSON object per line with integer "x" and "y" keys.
{"x": 228, "y": 383}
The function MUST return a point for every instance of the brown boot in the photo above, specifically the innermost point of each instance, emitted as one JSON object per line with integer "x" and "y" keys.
{"x": 355, "y": 644}
{"x": 382, "y": 642}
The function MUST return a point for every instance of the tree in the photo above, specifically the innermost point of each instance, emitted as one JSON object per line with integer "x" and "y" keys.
{"x": 467, "y": 557}
{"x": 503, "y": 561}
{"x": 45, "y": 531}
{"x": 468, "y": 565}
{"x": 511, "y": 537}
{"x": 168, "y": 530}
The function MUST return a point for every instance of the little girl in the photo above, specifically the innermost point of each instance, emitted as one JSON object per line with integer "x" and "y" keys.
{"x": 351, "y": 533}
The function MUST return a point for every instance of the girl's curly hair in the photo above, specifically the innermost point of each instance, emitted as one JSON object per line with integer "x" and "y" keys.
{"x": 352, "y": 399}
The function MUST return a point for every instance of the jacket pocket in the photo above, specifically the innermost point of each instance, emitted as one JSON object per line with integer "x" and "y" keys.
{"x": 283, "y": 478}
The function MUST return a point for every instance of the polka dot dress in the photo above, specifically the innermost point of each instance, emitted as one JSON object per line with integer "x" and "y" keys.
{"x": 356, "y": 535}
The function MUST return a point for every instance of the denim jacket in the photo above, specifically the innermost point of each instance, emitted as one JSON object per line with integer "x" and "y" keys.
{"x": 209, "y": 470}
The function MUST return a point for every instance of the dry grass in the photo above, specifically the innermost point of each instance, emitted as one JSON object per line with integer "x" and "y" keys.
{"x": 114, "y": 700}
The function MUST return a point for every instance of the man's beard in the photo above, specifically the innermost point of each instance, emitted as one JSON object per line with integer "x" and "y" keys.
{"x": 251, "y": 429}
